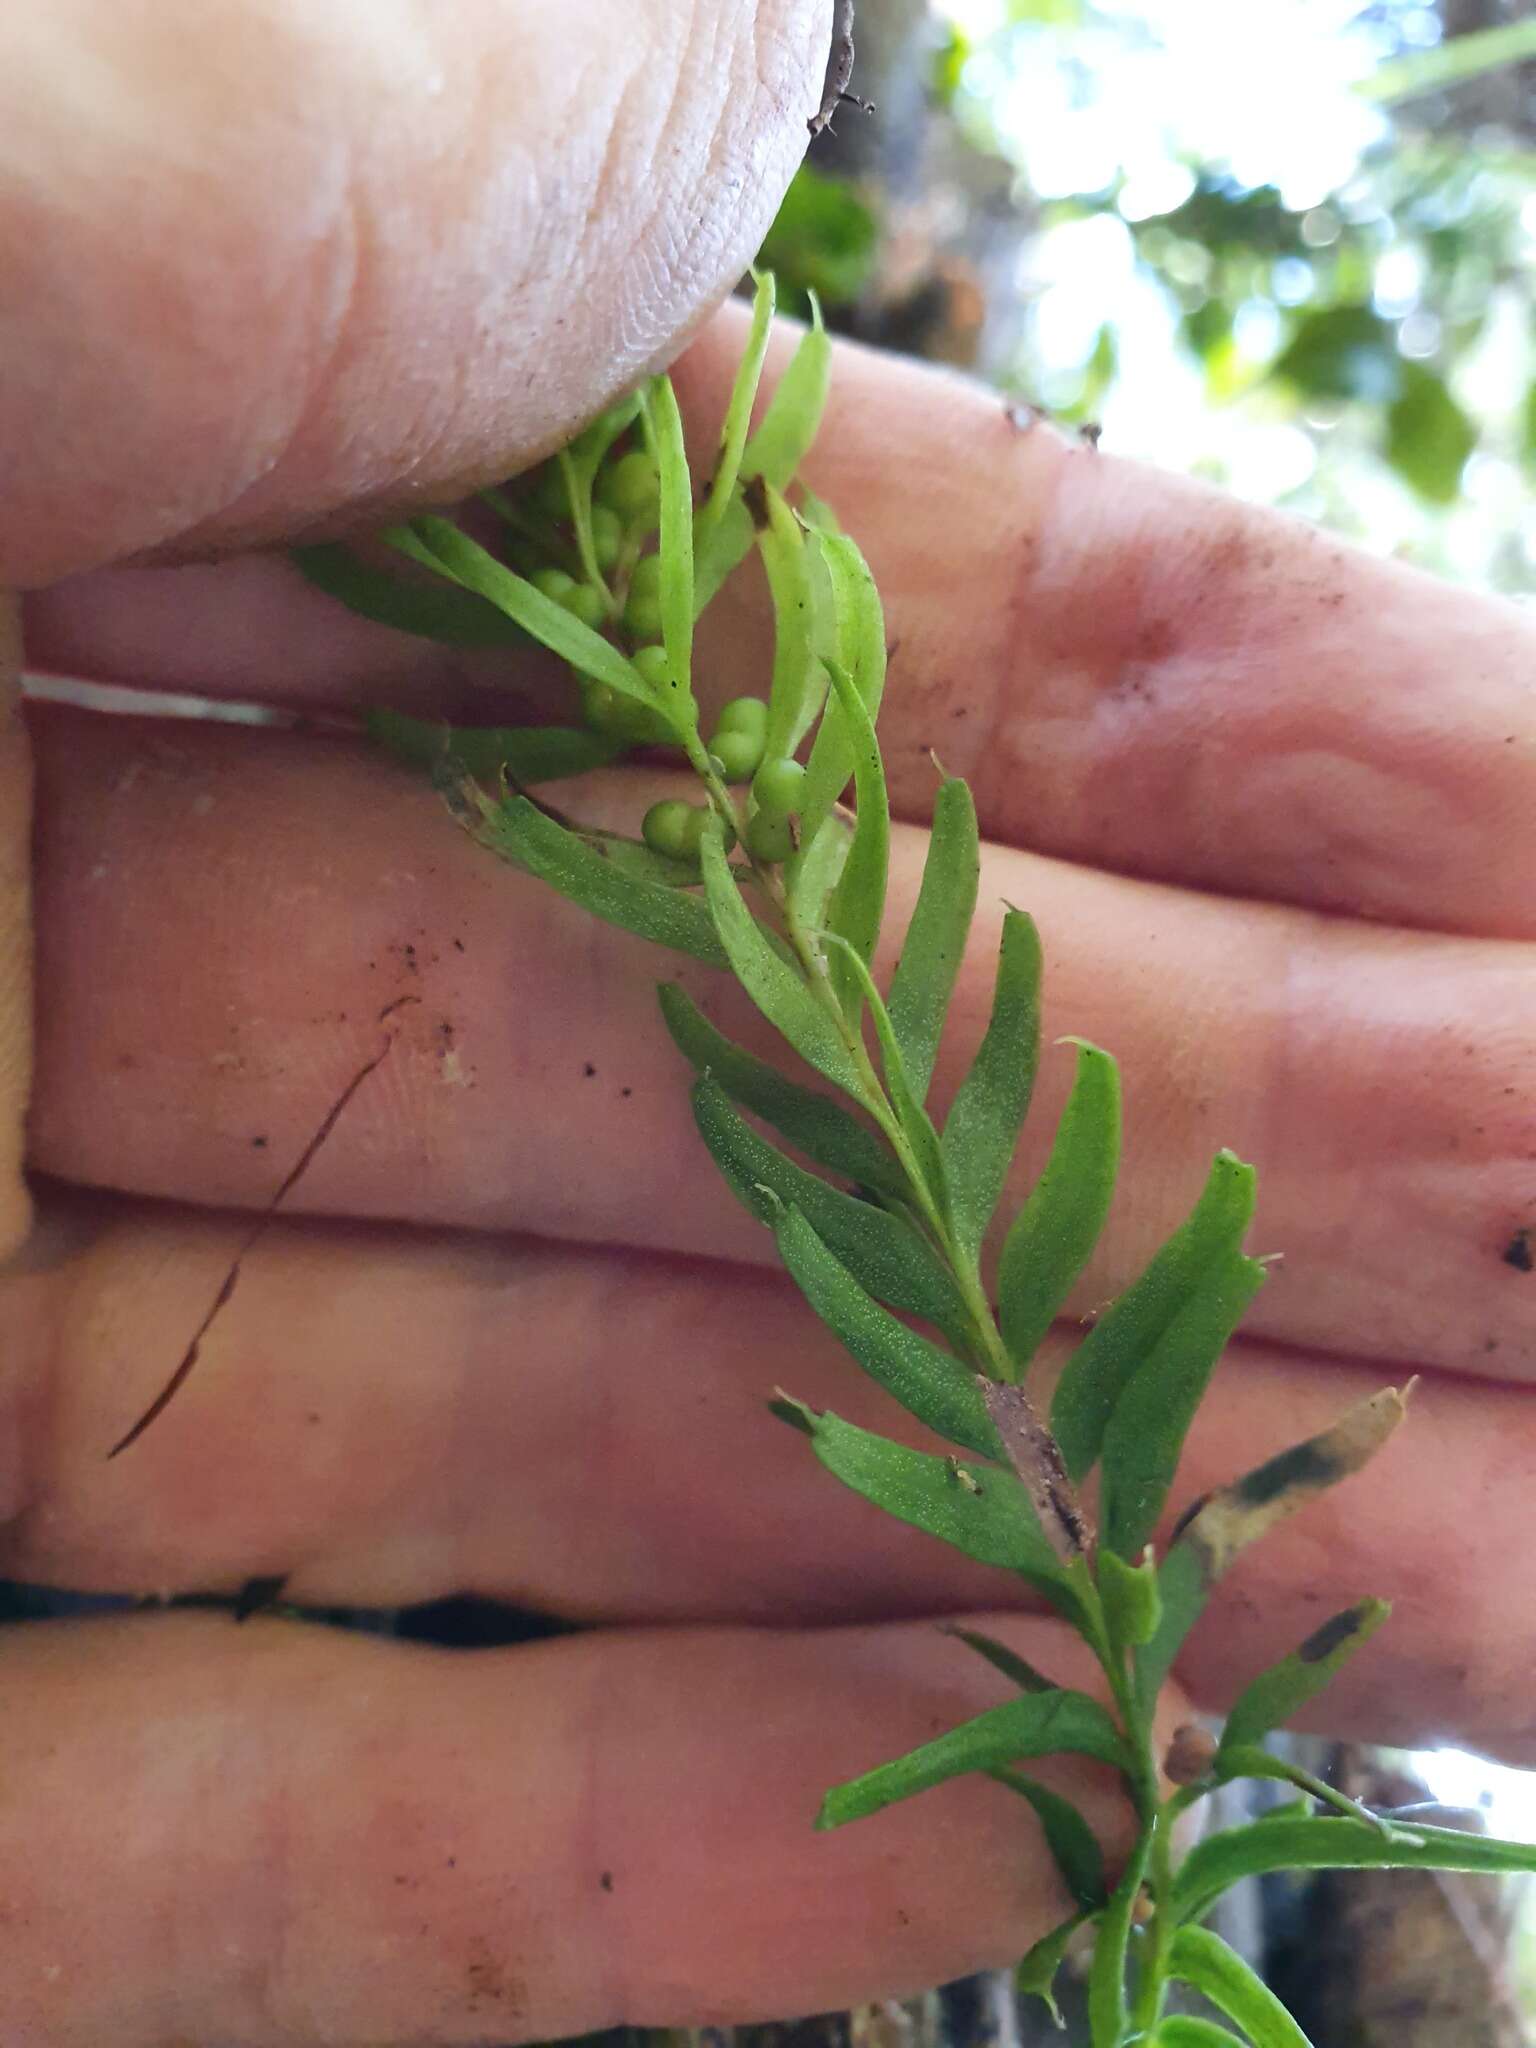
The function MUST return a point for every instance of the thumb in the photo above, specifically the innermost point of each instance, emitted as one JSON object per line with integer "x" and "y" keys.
{"x": 265, "y": 261}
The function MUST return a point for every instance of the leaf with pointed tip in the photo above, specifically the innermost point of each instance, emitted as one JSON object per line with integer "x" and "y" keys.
{"x": 1332, "y": 1843}
{"x": 813, "y": 873}
{"x": 982, "y": 1129}
{"x": 861, "y": 651}
{"x": 1222, "y": 1526}
{"x": 767, "y": 977}
{"x": 857, "y": 904}
{"x": 1057, "y": 1228}
{"x": 1219, "y": 1973}
{"x": 1072, "y": 1843}
{"x": 786, "y": 549}
{"x": 1034, "y": 1975}
{"x": 1244, "y": 1760}
{"x": 676, "y": 545}
{"x": 929, "y": 1383}
{"x": 882, "y": 1250}
{"x": 1036, "y": 1724}
{"x": 1013, "y": 1667}
{"x": 520, "y": 833}
{"x": 934, "y": 944}
{"x": 440, "y": 544}
{"x": 1104, "y": 1363}
{"x": 432, "y": 611}
{"x": 1146, "y": 1433}
{"x": 980, "y": 1510}
{"x": 814, "y": 1123}
{"x": 738, "y": 413}
{"x": 774, "y": 452}
{"x": 1275, "y": 1695}
{"x": 1132, "y": 1605}
{"x": 526, "y": 753}
{"x": 915, "y": 1121}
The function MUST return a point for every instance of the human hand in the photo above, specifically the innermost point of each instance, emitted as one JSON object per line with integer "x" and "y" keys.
{"x": 519, "y": 1346}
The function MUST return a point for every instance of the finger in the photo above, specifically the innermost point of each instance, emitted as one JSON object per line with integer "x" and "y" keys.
{"x": 225, "y": 918}
{"x": 275, "y": 1835}
{"x": 15, "y": 935}
{"x": 269, "y": 264}
{"x": 381, "y": 1417}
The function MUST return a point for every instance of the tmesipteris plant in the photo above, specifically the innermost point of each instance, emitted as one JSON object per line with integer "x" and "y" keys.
{"x": 607, "y": 556}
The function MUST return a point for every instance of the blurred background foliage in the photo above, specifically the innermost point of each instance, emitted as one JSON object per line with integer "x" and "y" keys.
{"x": 1286, "y": 247}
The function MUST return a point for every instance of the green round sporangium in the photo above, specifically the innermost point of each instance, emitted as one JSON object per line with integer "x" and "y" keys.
{"x": 769, "y": 839}
{"x": 738, "y": 754}
{"x": 631, "y": 487}
{"x": 776, "y": 787}
{"x": 673, "y": 827}
{"x": 642, "y": 608}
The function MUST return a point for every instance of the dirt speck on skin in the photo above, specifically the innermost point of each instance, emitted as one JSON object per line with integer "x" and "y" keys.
{"x": 490, "y": 1982}
{"x": 1520, "y": 1252}
{"x": 606, "y": 1881}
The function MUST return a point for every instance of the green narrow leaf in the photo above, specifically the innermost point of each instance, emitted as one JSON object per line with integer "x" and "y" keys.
{"x": 768, "y": 979}
{"x": 774, "y": 453}
{"x": 1132, "y": 1604}
{"x": 934, "y": 945}
{"x": 812, "y": 1122}
{"x": 1146, "y": 1433}
{"x": 1278, "y": 1693}
{"x": 738, "y": 413}
{"x": 980, "y": 1510}
{"x": 813, "y": 873}
{"x": 1227, "y": 1521}
{"x": 861, "y": 651}
{"x": 1245, "y": 1761}
{"x": 1179, "y": 2030}
{"x": 913, "y": 1118}
{"x": 1015, "y": 1668}
{"x": 929, "y": 1383}
{"x": 1218, "y": 1973}
{"x": 1102, "y": 1366}
{"x": 521, "y": 833}
{"x": 1057, "y": 1228}
{"x": 882, "y": 1251}
{"x": 439, "y": 542}
{"x": 1452, "y": 61}
{"x": 1332, "y": 1843}
{"x": 982, "y": 1129}
{"x": 858, "y": 902}
{"x": 1035, "y": 1975}
{"x": 1037, "y": 1724}
{"x": 676, "y": 543}
{"x": 527, "y": 753}
{"x": 431, "y": 611}
{"x": 1072, "y": 1843}
{"x": 786, "y": 554}
{"x": 1108, "y": 2017}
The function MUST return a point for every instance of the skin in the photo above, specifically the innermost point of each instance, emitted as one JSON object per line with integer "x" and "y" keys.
{"x": 1271, "y": 800}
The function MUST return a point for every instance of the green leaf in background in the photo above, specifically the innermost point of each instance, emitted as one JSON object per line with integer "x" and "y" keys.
{"x": 1072, "y": 1843}
{"x": 980, "y": 1510}
{"x": 1218, "y": 1973}
{"x": 520, "y": 833}
{"x": 1035, "y": 1976}
{"x": 1429, "y": 436}
{"x": 1281, "y": 1691}
{"x": 1342, "y": 352}
{"x": 1057, "y": 1228}
{"x": 1133, "y": 1606}
{"x": 1146, "y": 1433}
{"x": 439, "y": 541}
{"x": 676, "y": 544}
{"x": 1179, "y": 2030}
{"x": 934, "y": 945}
{"x": 431, "y": 611}
{"x": 824, "y": 239}
{"x": 1228, "y": 1520}
{"x": 1018, "y": 1670}
{"x": 527, "y": 753}
{"x": 857, "y": 904}
{"x": 929, "y": 1383}
{"x": 812, "y": 1122}
{"x": 1102, "y": 1366}
{"x": 1453, "y": 61}
{"x": 1332, "y": 1843}
{"x": 861, "y": 650}
{"x": 738, "y": 413}
{"x": 768, "y": 979}
{"x": 774, "y": 453}
{"x": 981, "y": 1132}
{"x": 882, "y": 1251}
{"x": 1037, "y": 1724}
